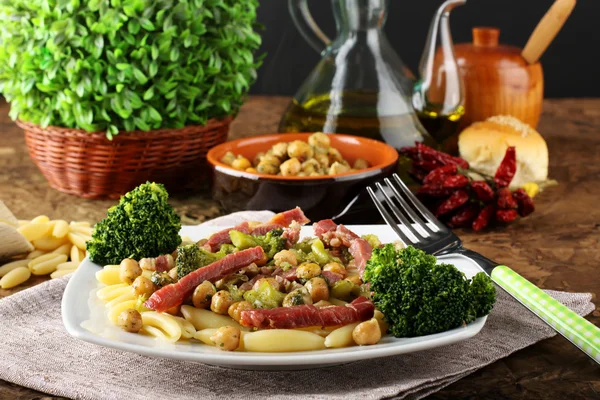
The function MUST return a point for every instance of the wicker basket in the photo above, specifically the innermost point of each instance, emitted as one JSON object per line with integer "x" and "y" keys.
{"x": 89, "y": 165}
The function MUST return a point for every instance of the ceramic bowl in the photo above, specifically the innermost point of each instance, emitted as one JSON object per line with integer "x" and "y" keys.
{"x": 320, "y": 197}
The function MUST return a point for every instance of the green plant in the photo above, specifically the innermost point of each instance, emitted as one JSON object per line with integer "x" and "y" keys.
{"x": 108, "y": 65}
{"x": 272, "y": 242}
{"x": 143, "y": 224}
{"x": 419, "y": 297}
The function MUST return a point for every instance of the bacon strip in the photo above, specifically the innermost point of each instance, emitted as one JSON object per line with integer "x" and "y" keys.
{"x": 303, "y": 316}
{"x": 217, "y": 239}
{"x": 287, "y": 217}
{"x": 281, "y": 220}
{"x": 173, "y": 295}
{"x": 359, "y": 248}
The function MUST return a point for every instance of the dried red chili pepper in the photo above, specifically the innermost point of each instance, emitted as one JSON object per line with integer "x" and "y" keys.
{"x": 418, "y": 173}
{"x": 507, "y": 168}
{"x": 483, "y": 218}
{"x": 410, "y": 152}
{"x": 427, "y": 165}
{"x": 506, "y": 215}
{"x": 434, "y": 190}
{"x": 525, "y": 203}
{"x": 438, "y": 174}
{"x": 455, "y": 182}
{"x": 483, "y": 191}
{"x": 427, "y": 153}
{"x": 505, "y": 199}
{"x": 456, "y": 199}
{"x": 464, "y": 215}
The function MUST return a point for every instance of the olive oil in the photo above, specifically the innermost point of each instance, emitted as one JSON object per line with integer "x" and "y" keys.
{"x": 355, "y": 113}
{"x": 443, "y": 128}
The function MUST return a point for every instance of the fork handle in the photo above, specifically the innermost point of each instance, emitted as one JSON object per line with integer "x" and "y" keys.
{"x": 573, "y": 327}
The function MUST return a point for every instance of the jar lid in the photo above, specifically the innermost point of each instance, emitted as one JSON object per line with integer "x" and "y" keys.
{"x": 485, "y": 51}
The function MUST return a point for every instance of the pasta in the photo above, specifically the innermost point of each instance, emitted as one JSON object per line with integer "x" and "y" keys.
{"x": 341, "y": 337}
{"x": 283, "y": 340}
{"x": 14, "y": 277}
{"x": 59, "y": 247}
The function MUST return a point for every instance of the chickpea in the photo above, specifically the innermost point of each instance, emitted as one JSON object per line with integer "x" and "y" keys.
{"x": 334, "y": 155}
{"x": 148, "y": 264}
{"x": 143, "y": 286}
{"x": 280, "y": 150}
{"x": 241, "y": 163}
{"x": 265, "y": 168}
{"x": 257, "y": 158}
{"x": 290, "y": 167}
{"x": 235, "y": 310}
{"x": 318, "y": 289}
{"x": 285, "y": 256}
{"x": 338, "y": 168}
{"x": 323, "y": 160}
{"x": 130, "y": 320}
{"x": 323, "y": 303}
{"x": 335, "y": 268}
{"x": 271, "y": 281}
{"x": 319, "y": 139}
{"x": 311, "y": 165}
{"x": 130, "y": 269}
{"x": 300, "y": 149}
{"x": 221, "y": 301}
{"x": 228, "y": 158}
{"x": 203, "y": 294}
{"x": 355, "y": 278}
{"x": 271, "y": 159}
{"x": 251, "y": 170}
{"x": 367, "y": 332}
{"x": 297, "y": 297}
{"x": 360, "y": 164}
{"x": 343, "y": 289}
{"x": 308, "y": 271}
{"x": 227, "y": 338}
{"x": 383, "y": 325}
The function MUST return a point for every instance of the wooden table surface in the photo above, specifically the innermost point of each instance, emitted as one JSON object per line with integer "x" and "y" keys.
{"x": 557, "y": 247}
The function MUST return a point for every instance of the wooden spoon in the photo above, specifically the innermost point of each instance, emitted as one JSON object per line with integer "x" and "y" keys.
{"x": 547, "y": 29}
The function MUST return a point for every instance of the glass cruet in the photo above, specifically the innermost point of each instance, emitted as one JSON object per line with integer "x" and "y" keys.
{"x": 438, "y": 97}
{"x": 360, "y": 86}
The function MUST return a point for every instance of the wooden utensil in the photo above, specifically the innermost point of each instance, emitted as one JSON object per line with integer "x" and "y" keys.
{"x": 547, "y": 29}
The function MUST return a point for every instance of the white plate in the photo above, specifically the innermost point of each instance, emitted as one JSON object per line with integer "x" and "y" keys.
{"x": 84, "y": 318}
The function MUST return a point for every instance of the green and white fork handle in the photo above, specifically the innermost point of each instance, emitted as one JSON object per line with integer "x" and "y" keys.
{"x": 573, "y": 327}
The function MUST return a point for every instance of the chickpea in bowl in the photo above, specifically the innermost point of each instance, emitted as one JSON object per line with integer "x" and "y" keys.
{"x": 314, "y": 157}
{"x": 321, "y": 173}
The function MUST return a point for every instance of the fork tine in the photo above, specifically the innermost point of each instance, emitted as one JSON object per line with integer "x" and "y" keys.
{"x": 418, "y": 205}
{"x": 403, "y": 220}
{"x": 388, "y": 218}
{"x": 419, "y": 221}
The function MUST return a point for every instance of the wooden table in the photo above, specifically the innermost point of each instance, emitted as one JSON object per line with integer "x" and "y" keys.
{"x": 557, "y": 247}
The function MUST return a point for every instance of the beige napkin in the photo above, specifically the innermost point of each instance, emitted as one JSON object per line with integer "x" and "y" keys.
{"x": 37, "y": 352}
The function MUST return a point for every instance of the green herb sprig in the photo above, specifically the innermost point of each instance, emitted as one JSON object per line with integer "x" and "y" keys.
{"x": 110, "y": 65}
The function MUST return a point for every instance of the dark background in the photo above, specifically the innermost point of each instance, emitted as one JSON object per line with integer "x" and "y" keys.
{"x": 571, "y": 63}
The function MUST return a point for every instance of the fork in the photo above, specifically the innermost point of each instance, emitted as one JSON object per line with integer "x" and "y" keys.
{"x": 415, "y": 225}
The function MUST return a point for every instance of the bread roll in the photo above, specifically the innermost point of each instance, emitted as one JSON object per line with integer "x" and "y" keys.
{"x": 484, "y": 144}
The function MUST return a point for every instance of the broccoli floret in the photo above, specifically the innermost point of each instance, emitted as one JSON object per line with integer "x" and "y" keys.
{"x": 161, "y": 279}
{"x": 272, "y": 243}
{"x": 483, "y": 294}
{"x": 142, "y": 225}
{"x": 419, "y": 297}
{"x": 266, "y": 296}
{"x": 190, "y": 257}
